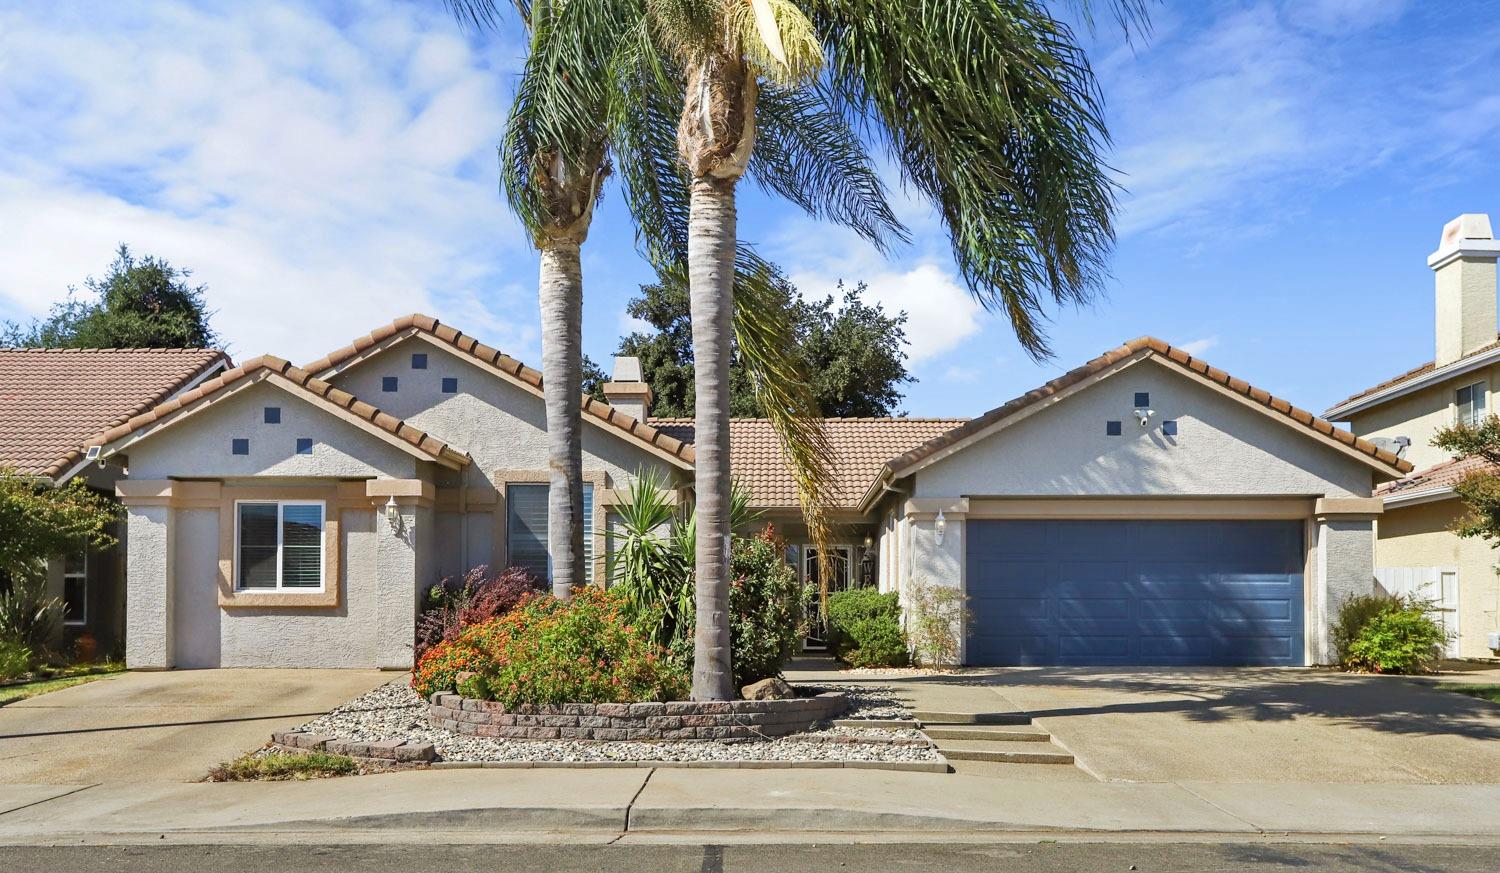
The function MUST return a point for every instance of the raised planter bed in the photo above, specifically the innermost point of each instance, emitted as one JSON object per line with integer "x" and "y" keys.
{"x": 609, "y": 722}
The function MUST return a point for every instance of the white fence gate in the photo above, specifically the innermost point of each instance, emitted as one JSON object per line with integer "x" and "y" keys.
{"x": 1437, "y": 584}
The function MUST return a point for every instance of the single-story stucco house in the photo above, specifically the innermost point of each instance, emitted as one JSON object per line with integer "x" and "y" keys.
{"x": 1144, "y": 508}
{"x": 51, "y": 402}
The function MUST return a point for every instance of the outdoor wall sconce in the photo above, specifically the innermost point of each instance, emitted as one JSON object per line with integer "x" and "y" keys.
{"x": 393, "y": 514}
{"x": 940, "y": 526}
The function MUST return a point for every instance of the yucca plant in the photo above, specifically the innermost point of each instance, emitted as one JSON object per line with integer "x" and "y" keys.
{"x": 645, "y": 565}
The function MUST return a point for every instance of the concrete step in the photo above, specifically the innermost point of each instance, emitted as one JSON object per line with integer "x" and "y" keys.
{"x": 883, "y": 723}
{"x": 995, "y": 732}
{"x": 1010, "y": 753}
{"x": 928, "y": 717}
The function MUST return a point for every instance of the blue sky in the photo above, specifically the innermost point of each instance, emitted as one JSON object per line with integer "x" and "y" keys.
{"x": 325, "y": 167}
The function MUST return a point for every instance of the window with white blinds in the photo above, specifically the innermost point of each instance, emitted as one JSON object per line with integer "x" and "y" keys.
{"x": 279, "y": 545}
{"x": 526, "y": 528}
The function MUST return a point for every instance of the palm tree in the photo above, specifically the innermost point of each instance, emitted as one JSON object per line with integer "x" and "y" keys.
{"x": 587, "y": 91}
{"x": 990, "y": 109}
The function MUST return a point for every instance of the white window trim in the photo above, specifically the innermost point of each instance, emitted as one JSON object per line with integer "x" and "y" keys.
{"x": 280, "y": 532}
{"x": 84, "y": 575}
{"x": 1484, "y": 390}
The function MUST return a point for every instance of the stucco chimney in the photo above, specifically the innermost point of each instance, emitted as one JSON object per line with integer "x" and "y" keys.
{"x": 628, "y": 393}
{"x": 1465, "y": 266}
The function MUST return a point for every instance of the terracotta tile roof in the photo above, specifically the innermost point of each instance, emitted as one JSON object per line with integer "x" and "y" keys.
{"x": 265, "y": 365}
{"x": 1444, "y": 475}
{"x": 1167, "y": 352}
{"x": 1413, "y": 373}
{"x": 860, "y": 445}
{"x": 603, "y": 412}
{"x": 52, "y": 400}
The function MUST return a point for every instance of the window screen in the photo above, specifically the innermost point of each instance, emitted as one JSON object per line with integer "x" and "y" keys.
{"x": 526, "y": 528}
{"x": 76, "y": 587}
{"x": 1470, "y": 402}
{"x": 258, "y": 545}
{"x": 280, "y": 545}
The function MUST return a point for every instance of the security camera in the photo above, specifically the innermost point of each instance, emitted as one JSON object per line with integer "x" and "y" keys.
{"x": 1144, "y": 416}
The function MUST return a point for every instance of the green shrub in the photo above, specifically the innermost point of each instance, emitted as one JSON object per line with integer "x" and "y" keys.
{"x": 27, "y": 615}
{"x": 864, "y": 628}
{"x": 1354, "y": 614}
{"x": 15, "y": 659}
{"x": 939, "y": 614}
{"x": 545, "y": 651}
{"x": 766, "y": 606}
{"x": 1402, "y": 638}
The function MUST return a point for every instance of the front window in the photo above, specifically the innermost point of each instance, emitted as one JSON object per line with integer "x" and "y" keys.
{"x": 526, "y": 529}
{"x": 279, "y": 545}
{"x": 1469, "y": 401}
{"x": 76, "y": 588}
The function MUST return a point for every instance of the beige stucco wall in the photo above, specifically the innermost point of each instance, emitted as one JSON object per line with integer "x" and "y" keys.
{"x": 502, "y": 426}
{"x": 1421, "y": 536}
{"x": 1420, "y": 414}
{"x": 504, "y": 429}
{"x": 199, "y": 447}
{"x": 1222, "y": 448}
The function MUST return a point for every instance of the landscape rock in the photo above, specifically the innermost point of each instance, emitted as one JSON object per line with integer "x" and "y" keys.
{"x": 774, "y": 688}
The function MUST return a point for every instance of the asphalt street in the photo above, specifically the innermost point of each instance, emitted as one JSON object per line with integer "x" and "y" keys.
{"x": 1042, "y": 857}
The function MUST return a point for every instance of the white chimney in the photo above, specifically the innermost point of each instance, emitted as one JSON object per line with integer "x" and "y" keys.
{"x": 1465, "y": 266}
{"x": 626, "y": 391}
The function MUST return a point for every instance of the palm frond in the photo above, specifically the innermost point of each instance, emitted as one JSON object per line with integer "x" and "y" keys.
{"x": 482, "y": 14}
{"x": 812, "y": 156}
{"x": 992, "y": 111}
{"x": 777, "y": 39}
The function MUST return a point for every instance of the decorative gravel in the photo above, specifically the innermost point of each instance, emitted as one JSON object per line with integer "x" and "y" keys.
{"x": 395, "y": 712}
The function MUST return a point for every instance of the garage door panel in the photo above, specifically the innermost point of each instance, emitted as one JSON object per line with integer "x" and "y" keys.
{"x": 1082, "y": 649}
{"x": 1094, "y": 608}
{"x": 1136, "y": 592}
{"x": 1176, "y": 649}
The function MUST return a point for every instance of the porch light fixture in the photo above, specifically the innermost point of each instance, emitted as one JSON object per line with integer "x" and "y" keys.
{"x": 940, "y": 526}
{"x": 393, "y": 513}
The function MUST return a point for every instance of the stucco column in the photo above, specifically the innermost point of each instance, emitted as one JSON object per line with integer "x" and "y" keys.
{"x": 403, "y": 559}
{"x": 937, "y": 555}
{"x": 1343, "y": 566}
{"x": 149, "y": 580}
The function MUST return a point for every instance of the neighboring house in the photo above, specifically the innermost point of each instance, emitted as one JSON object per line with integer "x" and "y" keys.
{"x": 1142, "y": 509}
{"x": 51, "y": 402}
{"x": 1416, "y": 551}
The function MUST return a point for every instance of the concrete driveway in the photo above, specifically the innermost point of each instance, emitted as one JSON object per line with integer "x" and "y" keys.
{"x": 1239, "y": 725}
{"x": 163, "y": 727}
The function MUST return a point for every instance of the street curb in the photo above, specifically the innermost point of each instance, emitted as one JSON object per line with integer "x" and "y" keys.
{"x": 939, "y": 766}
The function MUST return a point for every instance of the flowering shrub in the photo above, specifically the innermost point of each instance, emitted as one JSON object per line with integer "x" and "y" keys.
{"x": 581, "y": 650}
{"x": 766, "y": 616}
{"x": 455, "y": 604}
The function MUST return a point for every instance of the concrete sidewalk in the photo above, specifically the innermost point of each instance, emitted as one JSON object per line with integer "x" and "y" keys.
{"x": 405, "y": 807}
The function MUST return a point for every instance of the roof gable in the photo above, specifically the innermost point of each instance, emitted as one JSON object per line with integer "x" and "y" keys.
{"x": 1384, "y": 462}
{"x": 281, "y": 373}
{"x": 53, "y": 400}
{"x": 501, "y": 366}
{"x": 1414, "y": 379}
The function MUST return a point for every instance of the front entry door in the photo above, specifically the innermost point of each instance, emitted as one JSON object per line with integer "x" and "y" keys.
{"x": 841, "y": 562}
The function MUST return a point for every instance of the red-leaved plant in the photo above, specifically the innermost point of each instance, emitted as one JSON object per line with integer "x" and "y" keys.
{"x": 455, "y": 604}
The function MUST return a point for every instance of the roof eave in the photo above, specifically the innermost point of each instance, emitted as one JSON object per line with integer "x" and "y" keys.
{"x": 1414, "y": 498}
{"x": 1342, "y": 411}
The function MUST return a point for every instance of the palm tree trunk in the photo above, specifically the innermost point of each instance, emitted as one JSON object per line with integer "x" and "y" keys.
{"x": 711, "y": 249}
{"x": 561, "y": 293}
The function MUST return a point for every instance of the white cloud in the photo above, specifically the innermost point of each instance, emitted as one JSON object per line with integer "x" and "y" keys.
{"x": 1229, "y": 124}
{"x": 1199, "y": 346}
{"x": 321, "y": 178}
{"x": 956, "y": 373}
{"x": 940, "y": 312}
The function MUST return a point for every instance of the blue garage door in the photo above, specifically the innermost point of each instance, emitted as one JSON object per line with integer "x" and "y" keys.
{"x": 1135, "y": 592}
